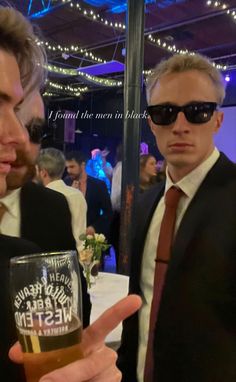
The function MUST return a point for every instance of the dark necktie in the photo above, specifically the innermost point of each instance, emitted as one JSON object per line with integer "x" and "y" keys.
{"x": 162, "y": 258}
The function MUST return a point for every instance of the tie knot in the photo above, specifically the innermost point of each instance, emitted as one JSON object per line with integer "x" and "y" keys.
{"x": 172, "y": 197}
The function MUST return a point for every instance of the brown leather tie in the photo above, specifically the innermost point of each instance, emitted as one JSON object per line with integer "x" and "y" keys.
{"x": 162, "y": 258}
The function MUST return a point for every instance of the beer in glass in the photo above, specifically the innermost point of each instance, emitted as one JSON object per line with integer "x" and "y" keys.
{"x": 46, "y": 296}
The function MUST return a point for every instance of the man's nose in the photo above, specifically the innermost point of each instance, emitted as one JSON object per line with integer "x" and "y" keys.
{"x": 13, "y": 131}
{"x": 181, "y": 124}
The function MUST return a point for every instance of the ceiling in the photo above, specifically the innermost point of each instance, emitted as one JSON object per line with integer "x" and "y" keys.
{"x": 92, "y": 32}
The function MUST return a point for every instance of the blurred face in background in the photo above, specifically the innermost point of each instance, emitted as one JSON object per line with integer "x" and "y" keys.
{"x": 148, "y": 169}
{"x": 151, "y": 167}
{"x": 12, "y": 133}
{"x": 74, "y": 169}
{"x": 32, "y": 116}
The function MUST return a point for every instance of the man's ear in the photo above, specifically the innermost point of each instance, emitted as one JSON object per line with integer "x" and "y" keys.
{"x": 43, "y": 173}
{"x": 219, "y": 120}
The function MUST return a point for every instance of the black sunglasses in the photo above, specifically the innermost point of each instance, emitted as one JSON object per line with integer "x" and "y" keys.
{"x": 196, "y": 112}
{"x": 36, "y": 129}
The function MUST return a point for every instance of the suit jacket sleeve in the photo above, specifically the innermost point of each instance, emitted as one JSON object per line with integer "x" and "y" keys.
{"x": 10, "y": 247}
{"x": 46, "y": 221}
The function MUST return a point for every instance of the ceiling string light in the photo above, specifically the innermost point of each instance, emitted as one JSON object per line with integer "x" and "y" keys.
{"x": 60, "y": 93}
{"x": 100, "y": 81}
{"x": 62, "y": 71}
{"x": 70, "y": 88}
{"x": 147, "y": 72}
{"x": 48, "y": 94}
{"x": 172, "y": 48}
{"x": 223, "y": 6}
{"x": 70, "y": 49}
{"x": 95, "y": 80}
{"x": 92, "y": 15}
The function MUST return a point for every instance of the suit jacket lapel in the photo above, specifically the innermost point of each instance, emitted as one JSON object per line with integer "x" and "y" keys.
{"x": 198, "y": 210}
{"x": 143, "y": 214}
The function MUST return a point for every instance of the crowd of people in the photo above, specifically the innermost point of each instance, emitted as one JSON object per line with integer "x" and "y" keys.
{"x": 184, "y": 246}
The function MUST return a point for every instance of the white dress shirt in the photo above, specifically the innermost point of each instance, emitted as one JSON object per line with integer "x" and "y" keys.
{"x": 10, "y": 223}
{"x": 189, "y": 185}
{"x": 77, "y": 205}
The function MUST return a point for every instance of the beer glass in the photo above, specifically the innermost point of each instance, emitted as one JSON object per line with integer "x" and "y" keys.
{"x": 46, "y": 296}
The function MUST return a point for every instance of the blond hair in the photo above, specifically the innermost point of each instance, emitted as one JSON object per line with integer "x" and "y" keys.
{"x": 181, "y": 63}
{"x": 17, "y": 36}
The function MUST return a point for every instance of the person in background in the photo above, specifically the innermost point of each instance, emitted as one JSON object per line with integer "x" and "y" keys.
{"x": 116, "y": 181}
{"x": 116, "y": 203}
{"x": 99, "y": 168}
{"x": 50, "y": 166}
{"x": 183, "y": 261}
{"x": 161, "y": 170}
{"x": 99, "y": 213}
{"x": 147, "y": 172}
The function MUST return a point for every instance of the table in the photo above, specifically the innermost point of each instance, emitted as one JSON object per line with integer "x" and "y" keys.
{"x": 109, "y": 289}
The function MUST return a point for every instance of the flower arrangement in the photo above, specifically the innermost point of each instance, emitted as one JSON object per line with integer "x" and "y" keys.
{"x": 93, "y": 246}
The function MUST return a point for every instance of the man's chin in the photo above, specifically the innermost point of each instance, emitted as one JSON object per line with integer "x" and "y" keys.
{"x": 19, "y": 176}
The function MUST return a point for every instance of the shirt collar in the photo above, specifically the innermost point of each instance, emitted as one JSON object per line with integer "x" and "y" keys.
{"x": 57, "y": 182}
{"x": 11, "y": 201}
{"x": 191, "y": 182}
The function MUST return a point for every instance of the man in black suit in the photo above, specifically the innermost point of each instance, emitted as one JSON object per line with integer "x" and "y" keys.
{"x": 195, "y": 328}
{"x": 22, "y": 63}
{"x": 99, "y": 212}
{"x": 34, "y": 212}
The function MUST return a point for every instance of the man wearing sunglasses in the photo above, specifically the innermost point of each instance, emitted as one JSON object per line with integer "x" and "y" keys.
{"x": 191, "y": 306}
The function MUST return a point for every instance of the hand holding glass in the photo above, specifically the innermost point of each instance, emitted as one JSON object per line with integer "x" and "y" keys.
{"x": 46, "y": 295}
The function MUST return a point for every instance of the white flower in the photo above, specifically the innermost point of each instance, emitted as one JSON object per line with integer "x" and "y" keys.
{"x": 89, "y": 237}
{"x": 100, "y": 238}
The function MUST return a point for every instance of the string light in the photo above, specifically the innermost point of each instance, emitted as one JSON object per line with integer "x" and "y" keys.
{"x": 69, "y": 88}
{"x": 60, "y": 89}
{"x": 70, "y": 49}
{"x": 89, "y": 13}
{"x": 168, "y": 47}
{"x": 172, "y": 48}
{"x": 95, "y": 80}
{"x": 223, "y": 6}
{"x": 100, "y": 81}
{"x": 64, "y": 71}
{"x": 59, "y": 93}
{"x": 47, "y": 94}
{"x": 147, "y": 72}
